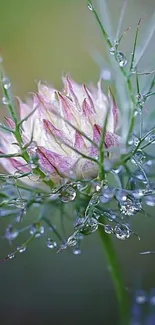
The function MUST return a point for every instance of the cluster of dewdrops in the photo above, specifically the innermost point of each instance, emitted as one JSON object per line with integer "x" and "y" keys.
{"x": 97, "y": 214}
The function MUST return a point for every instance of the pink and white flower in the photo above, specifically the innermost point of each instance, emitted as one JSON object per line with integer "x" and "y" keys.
{"x": 58, "y": 126}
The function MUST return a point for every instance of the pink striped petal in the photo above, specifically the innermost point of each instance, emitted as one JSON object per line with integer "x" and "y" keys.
{"x": 51, "y": 129}
{"x": 44, "y": 161}
{"x": 70, "y": 91}
{"x": 67, "y": 107}
{"x": 87, "y": 109}
{"x": 93, "y": 151}
{"x": 24, "y": 109}
{"x": 46, "y": 94}
{"x": 97, "y": 133}
{"x": 89, "y": 99}
{"x": 15, "y": 164}
{"x": 79, "y": 142}
{"x": 111, "y": 140}
{"x": 10, "y": 122}
{"x": 54, "y": 161}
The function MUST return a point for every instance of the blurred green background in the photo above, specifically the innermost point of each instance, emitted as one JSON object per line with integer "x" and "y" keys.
{"x": 41, "y": 40}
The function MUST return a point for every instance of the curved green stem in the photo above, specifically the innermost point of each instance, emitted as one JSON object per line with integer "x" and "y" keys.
{"x": 120, "y": 290}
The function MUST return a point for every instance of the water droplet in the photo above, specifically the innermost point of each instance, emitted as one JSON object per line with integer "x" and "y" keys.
{"x": 135, "y": 140}
{"x": 90, "y": 6}
{"x": 17, "y": 174}
{"x": 139, "y": 156}
{"x": 121, "y": 195}
{"x": 137, "y": 112}
{"x": 110, "y": 216}
{"x": 81, "y": 186}
{"x": 32, "y": 149}
{"x": 122, "y": 231}
{"x": 112, "y": 50}
{"x": 51, "y": 243}
{"x": 33, "y": 177}
{"x": 20, "y": 203}
{"x": 79, "y": 236}
{"x": 152, "y": 138}
{"x": 140, "y": 176}
{"x": 149, "y": 162}
{"x": 141, "y": 297}
{"x": 150, "y": 200}
{"x": 86, "y": 225}
{"x": 108, "y": 229}
{"x": 68, "y": 194}
{"x": 140, "y": 100}
{"x": 133, "y": 70}
{"x": 21, "y": 249}
{"x": 90, "y": 226}
{"x": 6, "y": 83}
{"x": 107, "y": 194}
{"x": 11, "y": 233}
{"x": 71, "y": 241}
{"x": 130, "y": 206}
{"x": 94, "y": 200}
{"x": 34, "y": 158}
{"x": 116, "y": 42}
{"x": 138, "y": 193}
{"x": 33, "y": 165}
{"x": 5, "y": 101}
{"x": 121, "y": 59}
{"x": 96, "y": 186}
{"x": 76, "y": 251}
{"x": 11, "y": 256}
{"x": 37, "y": 229}
{"x": 117, "y": 170}
{"x": 79, "y": 222}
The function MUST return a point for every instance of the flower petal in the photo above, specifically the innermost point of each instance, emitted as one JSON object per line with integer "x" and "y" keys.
{"x": 10, "y": 122}
{"x": 46, "y": 94}
{"x": 13, "y": 165}
{"x": 79, "y": 142}
{"x": 54, "y": 162}
{"x": 111, "y": 140}
{"x": 70, "y": 92}
{"x": 89, "y": 99}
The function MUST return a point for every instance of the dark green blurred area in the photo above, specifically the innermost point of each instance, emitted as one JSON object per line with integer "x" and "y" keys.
{"x": 41, "y": 40}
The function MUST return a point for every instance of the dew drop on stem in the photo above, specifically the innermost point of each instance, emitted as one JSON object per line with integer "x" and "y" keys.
{"x": 139, "y": 157}
{"x": 51, "y": 243}
{"x": 37, "y": 230}
{"x": 76, "y": 251}
{"x": 11, "y": 233}
{"x": 6, "y": 83}
{"x": 68, "y": 194}
{"x": 90, "y": 6}
{"x": 122, "y": 231}
{"x": 5, "y": 101}
{"x": 71, "y": 241}
{"x": 108, "y": 229}
{"x": 11, "y": 256}
{"x": 112, "y": 50}
{"x": 121, "y": 59}
{"x": 21, "y": 248}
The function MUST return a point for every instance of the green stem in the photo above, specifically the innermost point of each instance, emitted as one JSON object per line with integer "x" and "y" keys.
{"x": 121, "y": 292}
